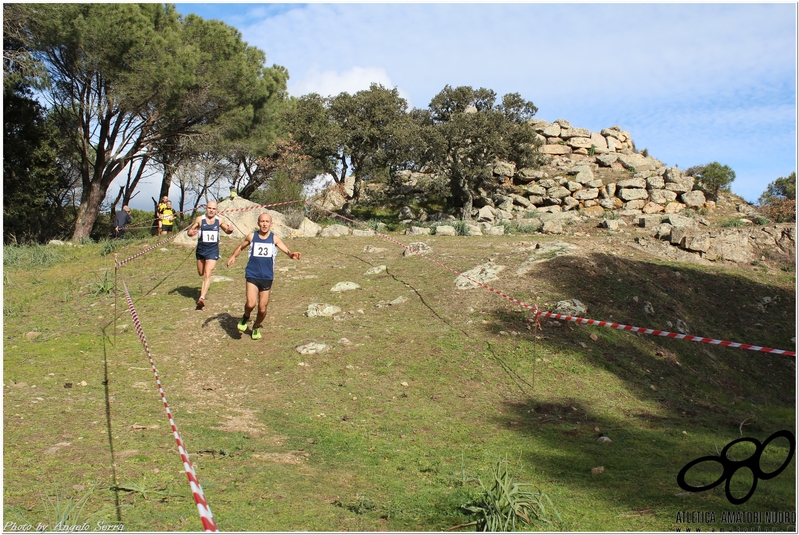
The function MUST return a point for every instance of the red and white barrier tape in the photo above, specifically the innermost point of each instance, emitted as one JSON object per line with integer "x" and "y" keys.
{"x": 668, "y": 334}
{"x": 145, "y": 251}
{"x": 231, "y": 210}
{"x": 175, "y": 235}
{"x": 206, "y": 517}
{"x": 150, "y": 222}
{"x": 585, "y": 321}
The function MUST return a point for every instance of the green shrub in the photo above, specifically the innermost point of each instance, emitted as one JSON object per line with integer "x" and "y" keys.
{"x": 712, "y": 178}
{"x": 782, "y": 188}
{"x": 280, "y": 189}
{"x": 104, "y": 286}
{"x": 527, "y": 228}
{"x": 63, "y": 511}
{"x": 376, "y": 225}
{"x": 504, "y": 505}
{"x": 108, "y": 246}
{"x": 733, "y": 223}
{"x": 460, "y": 228}
{"x": 31, "y": 256}
{"x": 780, "y": 210}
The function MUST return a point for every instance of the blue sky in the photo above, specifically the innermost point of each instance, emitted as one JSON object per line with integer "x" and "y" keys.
{"x": 692, "y": 83}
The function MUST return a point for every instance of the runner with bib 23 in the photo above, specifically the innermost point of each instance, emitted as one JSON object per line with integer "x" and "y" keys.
{"x": 260, "y": 272}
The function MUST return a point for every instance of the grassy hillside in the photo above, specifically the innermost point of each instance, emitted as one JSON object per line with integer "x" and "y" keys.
{"x": 391, "y": 427}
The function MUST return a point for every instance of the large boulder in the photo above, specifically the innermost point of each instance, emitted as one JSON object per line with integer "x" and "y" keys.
{"x": 529, "y": 174}
{"x": 606, "y": 160}
{"x": 335, "y": 231}
{"x": 693, "y": 199}
{"x": 487, "y": 214}
{"x": 417, "y": 231}
{"x": 558, "y": 192}
{"x": 579, "y": 142}
{"x": 677, "y": 181}
{"x": 552, "y": 130}
{"x": 555, "y": 149}
{"x": 662, "y": 196}
{"x": 504, "y": 168}
{"x": 570, "y": 307}
{"x": 243, "y": 215}
{"x": 446, "y": 230}
{"x": 599, "y": 142}
{"x": 333, "y": 199}
{"x": 582, "y": 174}
{"x": 535, "y": 189}
{"x": 480, "y": 274}
{"x": 730, "y": 244}
{"x": 639, "y": 162}
{"x": 631, "y": 183}
{"x": 574, "y": 132}
{"x": 631, "y": 194}
{"x": 417, "y": 247}
{"x": 586, "y": 194}
{"x": 308, "y": 229}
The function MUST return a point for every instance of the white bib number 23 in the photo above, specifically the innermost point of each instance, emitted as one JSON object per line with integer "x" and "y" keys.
{"x": 264, "y": 250}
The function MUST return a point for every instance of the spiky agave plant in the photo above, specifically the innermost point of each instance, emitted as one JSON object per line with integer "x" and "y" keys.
{"x": 505, "y": 505}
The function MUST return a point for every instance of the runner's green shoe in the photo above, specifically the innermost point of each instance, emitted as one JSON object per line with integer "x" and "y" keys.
{"x": 256, "y": 333}
{"x": 243, "y": 324}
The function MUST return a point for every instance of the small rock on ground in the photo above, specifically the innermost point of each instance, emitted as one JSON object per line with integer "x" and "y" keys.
{"x": 311, "y": 348}
{"x": 345, "y": 286}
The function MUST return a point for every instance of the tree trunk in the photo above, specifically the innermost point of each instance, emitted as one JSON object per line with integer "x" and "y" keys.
{"x": 467, "y": 204}
{"x": 356, "y": 189}
{"x": 181, "y": 201}
{"x": 131, "y": 185}
{"x": 462, "y": 197}
{"x": 90, "y": 201}
{"x": 166, "y": 181}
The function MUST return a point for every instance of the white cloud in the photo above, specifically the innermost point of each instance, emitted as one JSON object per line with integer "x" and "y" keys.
{"x": 538, "y": 50}
{"x": 331, "y": 83}
{"x": 691, "y": 82}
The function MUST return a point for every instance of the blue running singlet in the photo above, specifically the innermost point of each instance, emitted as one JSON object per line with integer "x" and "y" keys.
{"x": 262, "y": 254}
{"x": 208, "y": 240}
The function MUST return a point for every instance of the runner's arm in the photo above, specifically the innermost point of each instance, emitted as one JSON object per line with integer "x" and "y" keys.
{"x": 282, "y": 246}
{"x": 240, "y": 248}
{"x": 194, "y": 228}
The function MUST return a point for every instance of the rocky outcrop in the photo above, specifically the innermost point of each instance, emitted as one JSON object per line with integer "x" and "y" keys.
{"x": 741, "y": 245}
{"x": 243, "y": 215}
{"x": 562, "y": 138}
{"x": 572, "y": 180}
{"x": 587, "y": 171}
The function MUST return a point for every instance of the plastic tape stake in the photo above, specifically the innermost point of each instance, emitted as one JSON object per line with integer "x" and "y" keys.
{"x": 206, "y": 517}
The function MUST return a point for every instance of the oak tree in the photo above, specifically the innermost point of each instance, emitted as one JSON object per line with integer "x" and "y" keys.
{"x": 467, "y": 131}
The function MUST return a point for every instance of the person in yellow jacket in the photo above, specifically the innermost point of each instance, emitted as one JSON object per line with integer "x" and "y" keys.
{"x": 167, "y": 220}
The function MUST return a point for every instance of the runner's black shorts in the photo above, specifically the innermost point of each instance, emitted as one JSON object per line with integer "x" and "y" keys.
{"x": 207, "y": 255}
{"x": 263, "y": 285}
